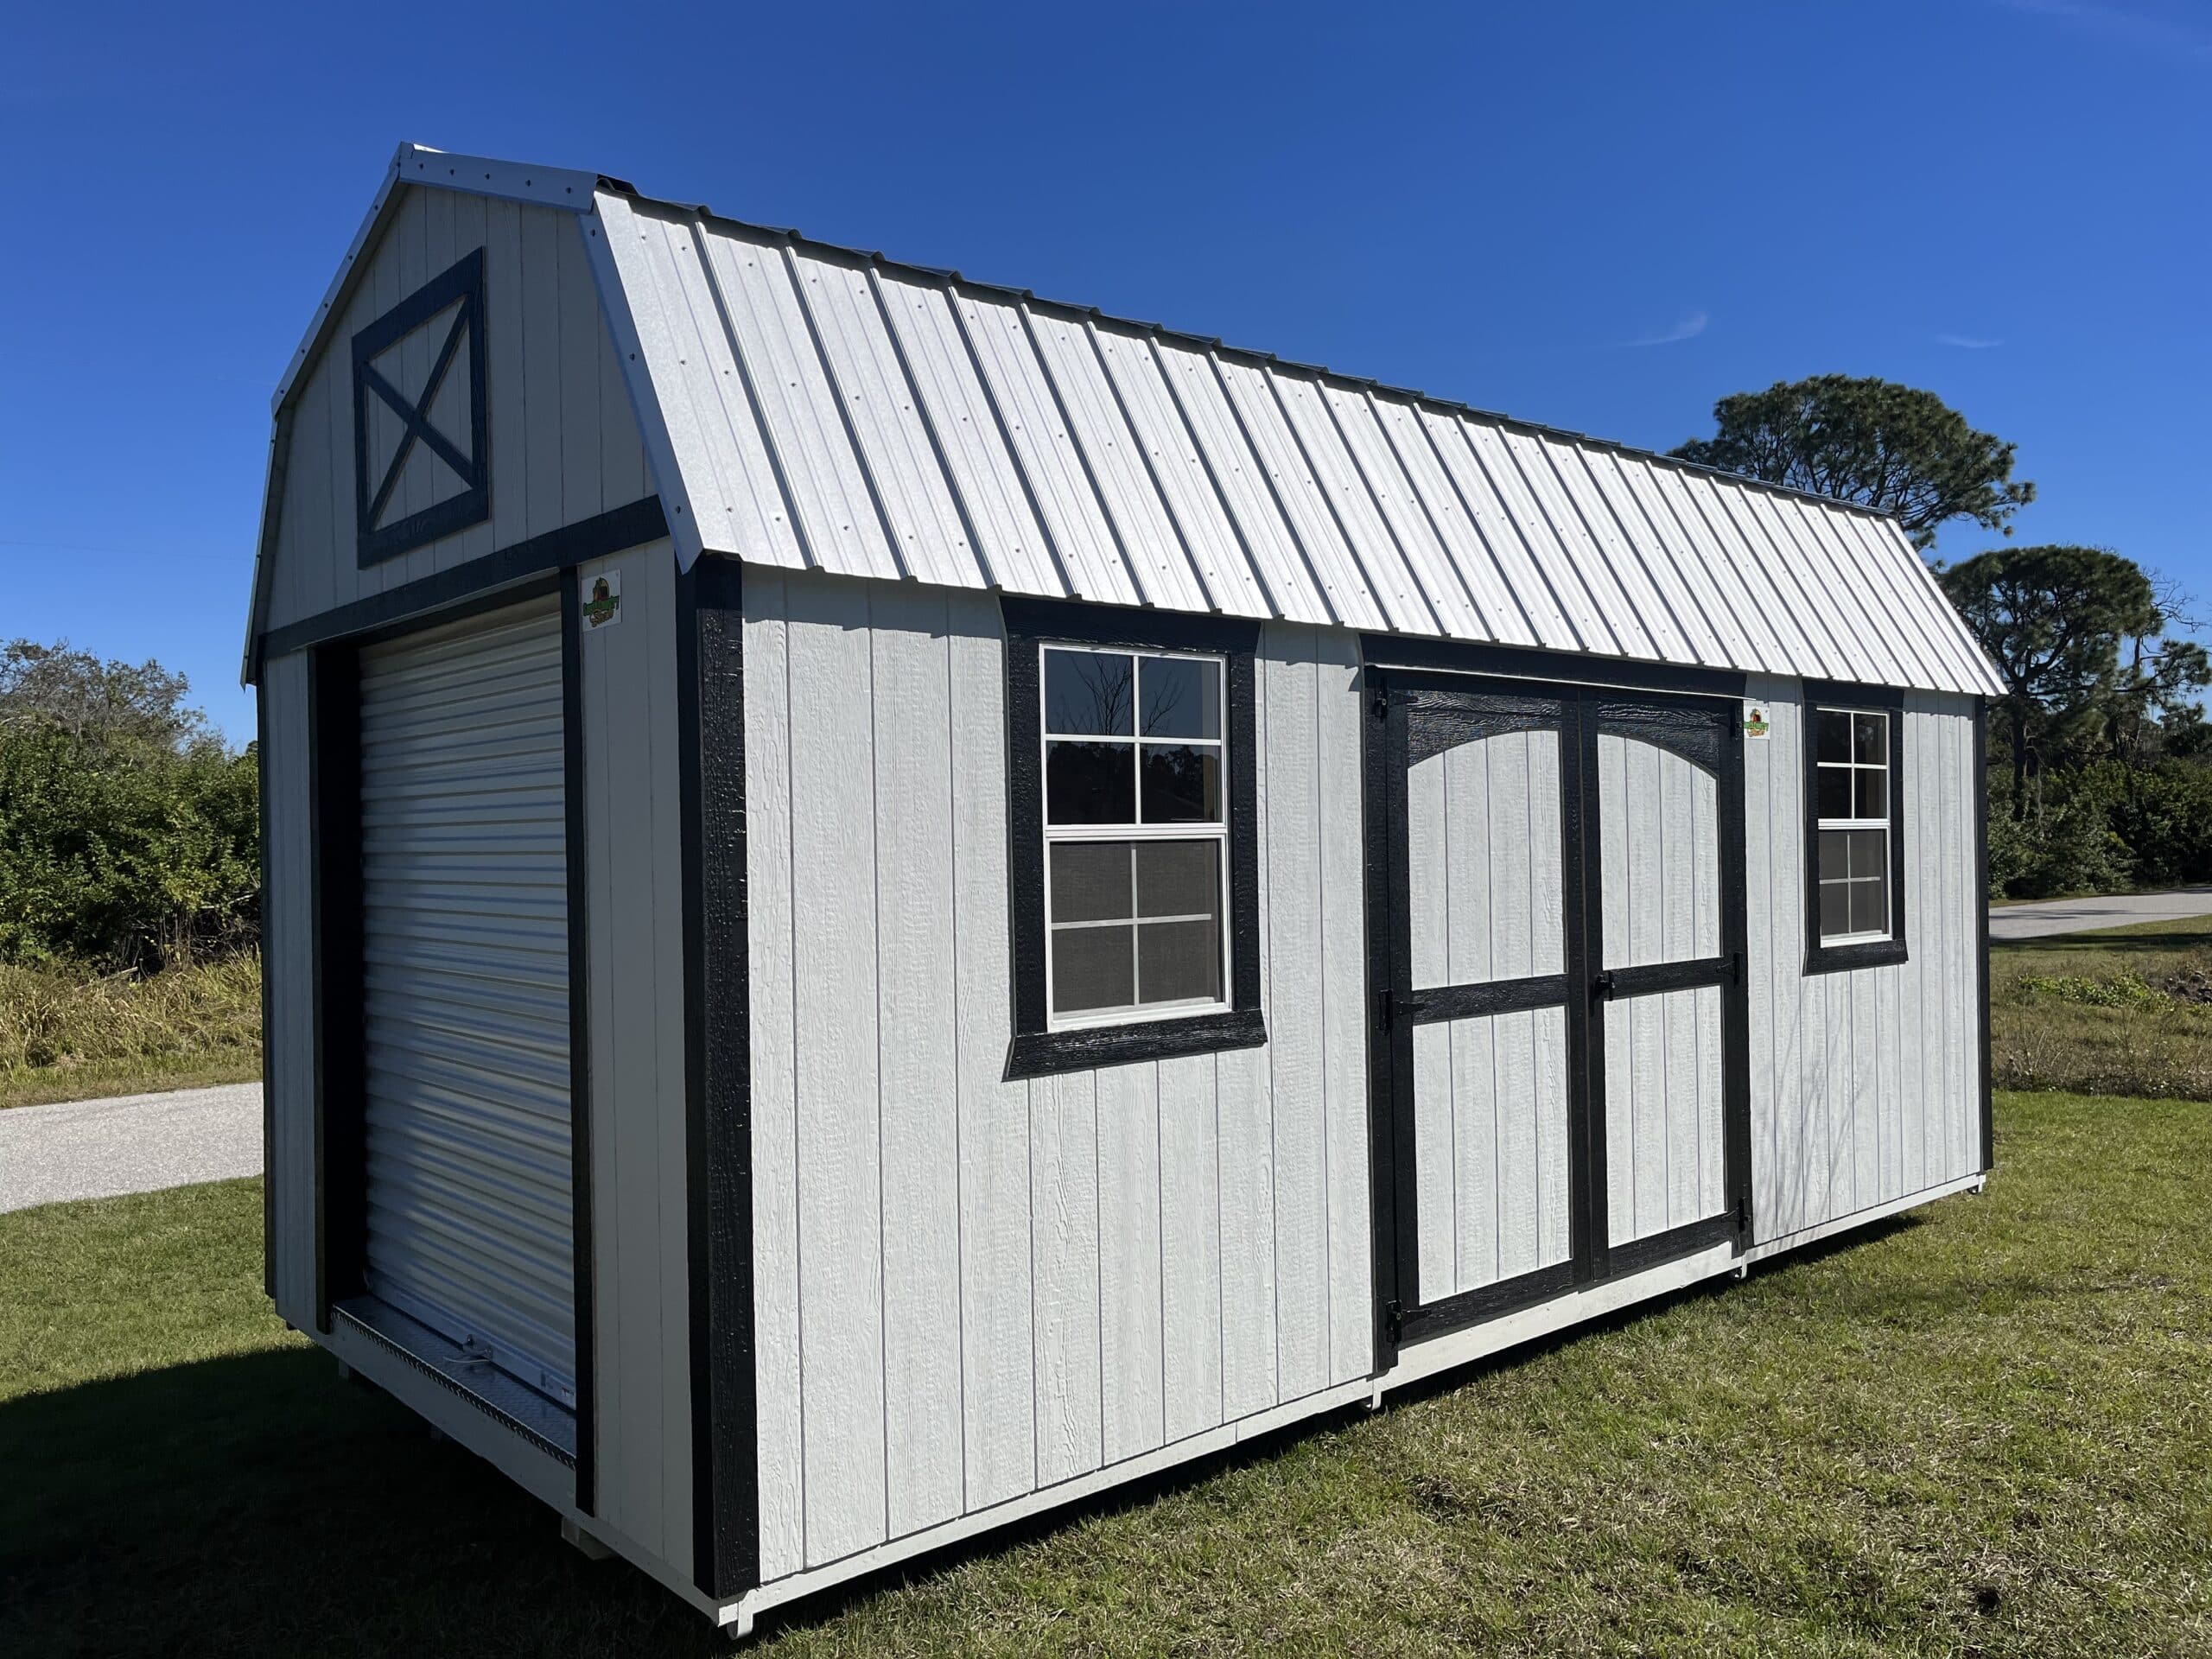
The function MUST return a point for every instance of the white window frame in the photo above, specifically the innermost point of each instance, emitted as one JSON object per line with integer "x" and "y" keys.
{"x": 1886, "y": 766}
{"x": 1054, "y": 834}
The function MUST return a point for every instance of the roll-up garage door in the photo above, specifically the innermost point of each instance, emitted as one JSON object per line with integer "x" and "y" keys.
{"x": 464, "y": 939}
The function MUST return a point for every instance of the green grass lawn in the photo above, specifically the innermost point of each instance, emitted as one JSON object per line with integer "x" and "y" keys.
{"x": 1986, "y": 1429}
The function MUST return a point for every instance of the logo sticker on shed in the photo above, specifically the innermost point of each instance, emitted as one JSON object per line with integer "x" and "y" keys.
{"x": 1755, "y": 721}
{"x": 602, "y": 606}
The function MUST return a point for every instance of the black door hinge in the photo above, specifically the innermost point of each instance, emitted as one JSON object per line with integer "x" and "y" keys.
{"x": 1601, "y": 987}
{"x": 1394, "y": 1320}
{"x": 1386, "y": 1008}
{"x": 1736, "y": 966}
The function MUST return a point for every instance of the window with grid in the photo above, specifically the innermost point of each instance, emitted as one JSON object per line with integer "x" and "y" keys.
{"x": 1853, "y": 805}
{"x": 1135, "y": 832}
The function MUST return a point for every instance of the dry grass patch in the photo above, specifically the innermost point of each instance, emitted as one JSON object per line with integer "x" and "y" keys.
{"x": 2124, "y": 1011}
{"x": 71, "y": 1033}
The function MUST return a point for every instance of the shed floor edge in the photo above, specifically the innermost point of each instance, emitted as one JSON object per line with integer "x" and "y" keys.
{"x": 1417, "y": 1364}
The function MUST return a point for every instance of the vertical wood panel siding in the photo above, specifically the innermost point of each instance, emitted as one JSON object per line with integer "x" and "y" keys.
{"x": 1664, "y": 1161}
{"x": 636, "y": 998}
{"x": 563, "y": 439}
{"x": 1489, "y": 1093}
{"x": 1864, "y": 1083}
{"x": 1659, "y": 841}
{"x": 287, "y": 964}
{"x": 1659, "y": 850}
{"x": 971, "y": 1289}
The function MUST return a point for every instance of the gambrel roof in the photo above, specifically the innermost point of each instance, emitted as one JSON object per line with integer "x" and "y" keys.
{"x": 809, "y": 406}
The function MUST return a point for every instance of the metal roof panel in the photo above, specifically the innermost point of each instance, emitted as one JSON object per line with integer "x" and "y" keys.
{"x": 815, "y": 405}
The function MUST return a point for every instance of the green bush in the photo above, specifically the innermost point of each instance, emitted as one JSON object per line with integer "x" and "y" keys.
{"x": 130, "y": 834}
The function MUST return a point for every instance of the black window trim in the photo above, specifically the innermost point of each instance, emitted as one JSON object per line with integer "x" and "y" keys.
{"x": 1037, "y": 1050}
{"x": 1869, "y": 953}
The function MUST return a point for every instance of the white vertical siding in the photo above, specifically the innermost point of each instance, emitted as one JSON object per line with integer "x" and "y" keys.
{"x": 1665, "y": 1161}
{"x": 1659, "y": 846}
{"x": 1489, "y": 1092}
{"x": 564, "y": 438}
{"x": 1864, "y": 1084}
{"x": 641, "y": 1330}
{"x": 971, "y": 1289}
{"x": 288, "y": 966}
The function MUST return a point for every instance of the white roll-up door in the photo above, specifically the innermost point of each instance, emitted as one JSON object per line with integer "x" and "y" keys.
{"x": 464, "y": 939}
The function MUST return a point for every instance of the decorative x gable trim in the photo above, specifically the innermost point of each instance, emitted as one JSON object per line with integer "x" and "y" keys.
{"x": 458, "y": 291}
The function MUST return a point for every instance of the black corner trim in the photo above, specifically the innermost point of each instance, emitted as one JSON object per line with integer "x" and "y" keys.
{"x": 268, "y": 1071}
{"x": 1981, "y": 911}
{"x": 339, "y": 1035}
{"x": 710, "y": 745}
{"x": 579, "y": 1096}
{"x": 1036, "y": 1051}
{"x": 611, "y": 532}
{"x": 1547, "y": 667}
{"x": 1874, "y": 953}
{"x": 460, "y": 285}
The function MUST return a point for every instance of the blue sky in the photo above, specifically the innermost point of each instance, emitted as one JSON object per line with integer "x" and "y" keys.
{"x": 1599, "y": 215}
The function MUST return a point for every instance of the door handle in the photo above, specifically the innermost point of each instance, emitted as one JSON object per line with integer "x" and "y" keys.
{"x": 1601, "y": 988}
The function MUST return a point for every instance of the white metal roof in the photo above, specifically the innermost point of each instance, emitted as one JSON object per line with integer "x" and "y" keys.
{"x": 808, "y": 406}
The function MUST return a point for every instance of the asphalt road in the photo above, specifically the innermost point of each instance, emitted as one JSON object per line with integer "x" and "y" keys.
{"x": 131, "y": 1143}
{"x": 2048, "y": 917}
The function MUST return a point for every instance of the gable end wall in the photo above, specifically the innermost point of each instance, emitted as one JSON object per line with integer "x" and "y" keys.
{"x": 562, "y": 430}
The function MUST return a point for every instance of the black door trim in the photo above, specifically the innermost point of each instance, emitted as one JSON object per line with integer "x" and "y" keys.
{"x": 717, "y": 1073}
{"x": 337, "y": 1010}
{"x": 1697, "y": 721}
{"x": 1446, "y": 1002}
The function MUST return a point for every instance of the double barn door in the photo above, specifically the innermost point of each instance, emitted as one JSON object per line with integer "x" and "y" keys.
{"x": 1560, "y": 1052}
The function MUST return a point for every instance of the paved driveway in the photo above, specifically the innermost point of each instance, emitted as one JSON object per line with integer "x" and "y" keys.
{"x": 2079, "y": 915}
{"x": 131, "y": 1143}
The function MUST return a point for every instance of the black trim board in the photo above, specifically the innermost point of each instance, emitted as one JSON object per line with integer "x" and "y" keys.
{"x": 1875, "y": 953}
{"x": 710, "y": 746}
{"x": 1383, "y": 882}
{"x": 1036, "y": 1050}
{"x": 1441, "y": 1004}
{"x": 578, "y": 854}
{"x": 1981, "y": 911}
{"x": 1547, "y": 667}
{"x": 268, "y": 980}
{"x": 613, "y": 531}
{"x": 340, "y": 1036}
{"x": 1590, "y": 1200}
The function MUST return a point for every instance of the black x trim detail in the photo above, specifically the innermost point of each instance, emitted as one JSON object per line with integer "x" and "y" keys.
{"x": 461, "y": 290}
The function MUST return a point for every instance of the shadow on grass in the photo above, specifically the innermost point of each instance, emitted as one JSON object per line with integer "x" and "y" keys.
{"x": 257, "y": 1505}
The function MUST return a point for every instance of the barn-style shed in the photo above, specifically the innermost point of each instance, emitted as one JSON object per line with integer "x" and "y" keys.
{"x": 890, "y": 902}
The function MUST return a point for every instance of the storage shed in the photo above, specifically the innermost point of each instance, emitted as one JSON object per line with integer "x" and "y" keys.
{"x": 890, "y": 902}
